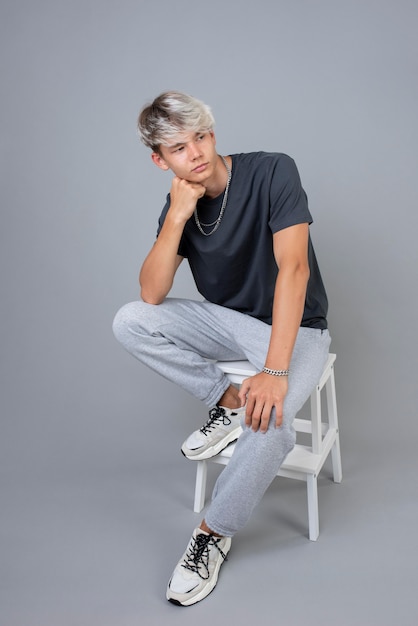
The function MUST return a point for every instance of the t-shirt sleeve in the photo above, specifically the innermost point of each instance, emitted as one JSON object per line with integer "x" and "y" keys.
{"x": 163, "y": 214}
{"x": 288, "y": 201}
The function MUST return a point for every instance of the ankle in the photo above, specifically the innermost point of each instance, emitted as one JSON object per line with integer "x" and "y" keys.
{"x": 205, "y": 527}
{"x": 230, "y": 399}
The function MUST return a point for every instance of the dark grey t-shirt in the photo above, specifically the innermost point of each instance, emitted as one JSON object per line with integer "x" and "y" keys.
{"x": 235, "y": 267}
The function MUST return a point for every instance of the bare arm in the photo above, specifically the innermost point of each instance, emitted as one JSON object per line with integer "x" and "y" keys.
{"x": 160, "y": 266}
{"x": 264, "y": 392}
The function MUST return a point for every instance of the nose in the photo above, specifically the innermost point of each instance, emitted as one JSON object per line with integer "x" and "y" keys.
{"x": 193, "y": 151}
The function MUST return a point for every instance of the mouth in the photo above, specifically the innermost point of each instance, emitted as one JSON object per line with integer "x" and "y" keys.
{"x": 200, "y": 168}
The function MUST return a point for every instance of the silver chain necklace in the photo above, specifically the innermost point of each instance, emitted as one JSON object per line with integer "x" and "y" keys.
{"x": 216, "y": 223}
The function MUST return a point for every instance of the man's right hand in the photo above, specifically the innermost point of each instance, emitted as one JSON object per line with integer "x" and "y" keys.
{"x": 184, "y": 196}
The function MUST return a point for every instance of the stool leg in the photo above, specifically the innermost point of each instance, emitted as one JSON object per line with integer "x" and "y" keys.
{"x": 336, "y": 460}
{"x": 316, "y": 420}
{"x": 313, "y": 514}
{"x": 333, "y": 423}
{"x": 200, "y": 489}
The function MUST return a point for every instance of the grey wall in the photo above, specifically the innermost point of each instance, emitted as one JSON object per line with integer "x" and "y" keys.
{"x": 333, "y": 84}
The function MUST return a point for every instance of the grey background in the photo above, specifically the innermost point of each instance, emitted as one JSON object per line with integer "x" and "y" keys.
{"x": 96, "y": 499}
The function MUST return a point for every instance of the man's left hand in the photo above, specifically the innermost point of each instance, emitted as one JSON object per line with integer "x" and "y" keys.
{"x": 262, "y": 393}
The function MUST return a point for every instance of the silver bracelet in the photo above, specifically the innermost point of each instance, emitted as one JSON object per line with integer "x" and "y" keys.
{"x": 267, "y": 370}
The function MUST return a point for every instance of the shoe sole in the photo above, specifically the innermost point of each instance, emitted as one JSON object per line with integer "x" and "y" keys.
{"x": 207, "y": 589}
{"x": 215, "y": 449}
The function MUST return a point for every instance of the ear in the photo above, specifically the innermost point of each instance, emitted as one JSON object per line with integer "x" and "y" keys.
{"x": 159, "y": 161}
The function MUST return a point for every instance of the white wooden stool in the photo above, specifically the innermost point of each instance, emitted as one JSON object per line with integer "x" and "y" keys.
{"x": 304, "y": 462}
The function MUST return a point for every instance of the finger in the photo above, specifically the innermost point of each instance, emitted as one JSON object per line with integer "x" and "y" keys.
{"x": 279, "y": 415}
{"x": 255, "y": 422}
{"x": 202, "y": 190}
{"x": 242, "y": 394}
{"x": 249, "y": 412}
{"x": 256, "y": 416}
{"x": 242, "y": 398}
{"x": 265, "y": 418}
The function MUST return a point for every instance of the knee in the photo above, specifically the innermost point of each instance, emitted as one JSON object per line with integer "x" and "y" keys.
{"x": 123, "y": 321}
{"x": 287, "y": 438}
{"x": 280, "y": 439}
{"x": 285, "y": 435}
{"x": 276, "y": 442}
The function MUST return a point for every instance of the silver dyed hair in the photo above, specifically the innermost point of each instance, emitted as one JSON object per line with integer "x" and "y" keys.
{"x": 171, "y": 114}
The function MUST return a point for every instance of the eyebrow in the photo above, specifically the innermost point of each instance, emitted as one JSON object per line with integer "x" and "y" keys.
{"x": 181, "y": 143}
{"x": 176, "y": 145}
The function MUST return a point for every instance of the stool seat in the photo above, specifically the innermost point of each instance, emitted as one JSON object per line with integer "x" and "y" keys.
{"x": 304, "y": 462}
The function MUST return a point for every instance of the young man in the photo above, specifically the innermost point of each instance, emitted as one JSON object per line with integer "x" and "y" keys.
{"x": 242, "y": 221}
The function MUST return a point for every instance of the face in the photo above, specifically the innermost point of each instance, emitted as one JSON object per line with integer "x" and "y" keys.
{"x": 191, "y": 156}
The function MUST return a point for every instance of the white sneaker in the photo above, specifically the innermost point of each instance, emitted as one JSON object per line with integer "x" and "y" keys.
{"x": 196, "y": 574}
{"x": 222, "y": 427}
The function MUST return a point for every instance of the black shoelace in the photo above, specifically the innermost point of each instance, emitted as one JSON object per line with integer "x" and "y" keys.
{"x": 197, "y": 556}
{"x": 216, "y": 415}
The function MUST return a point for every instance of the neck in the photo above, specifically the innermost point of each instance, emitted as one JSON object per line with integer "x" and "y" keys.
{"x": 217, "y": 185}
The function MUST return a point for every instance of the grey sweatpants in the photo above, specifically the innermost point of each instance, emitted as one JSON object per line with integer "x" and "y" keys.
{"x": 176, "y": 339}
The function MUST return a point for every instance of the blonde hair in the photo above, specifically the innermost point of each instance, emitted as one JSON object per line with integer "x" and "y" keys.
{"x": 170, "y": 114}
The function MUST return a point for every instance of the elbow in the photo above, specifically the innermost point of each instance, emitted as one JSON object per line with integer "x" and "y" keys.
{"x": 298, "y": 276}
{"x": 151, "y": 298}
{"x": 300, "y": 273}
{"x": 148, "y": 293}
{"x": 305, "y": 273}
